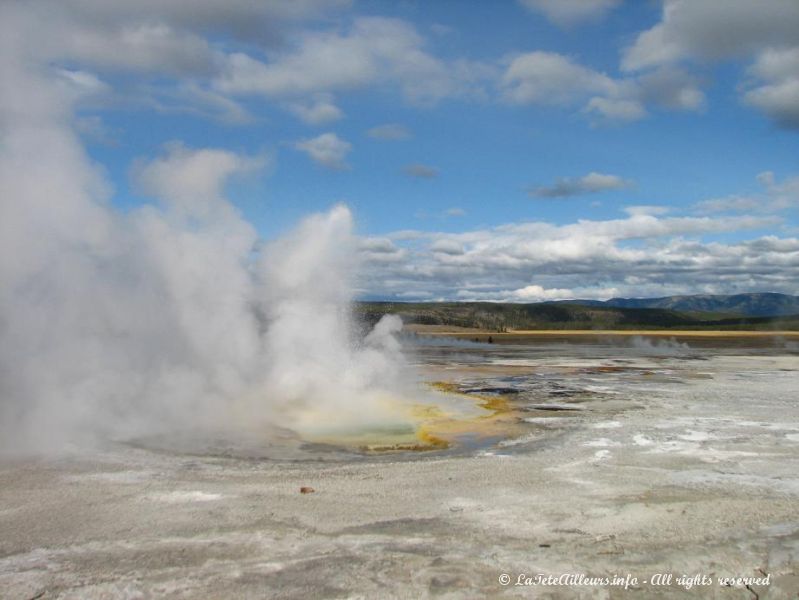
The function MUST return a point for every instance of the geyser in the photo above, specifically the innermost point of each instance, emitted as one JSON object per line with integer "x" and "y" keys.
{"x": 174, "y": 316}
{"x": 317, "y": 374}
{"x": 171, "y": 316}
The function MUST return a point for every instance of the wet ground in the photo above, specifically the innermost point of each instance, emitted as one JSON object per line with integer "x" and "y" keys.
{"x": 619, "y": 458}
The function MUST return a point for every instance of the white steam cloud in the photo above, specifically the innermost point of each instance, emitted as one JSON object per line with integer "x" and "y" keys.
{"x": 171, "y": 316}
{"x": 662, "y": 347}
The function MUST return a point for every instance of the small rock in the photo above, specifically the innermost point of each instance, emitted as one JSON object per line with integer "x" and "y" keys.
{"x": 306, "y": 490}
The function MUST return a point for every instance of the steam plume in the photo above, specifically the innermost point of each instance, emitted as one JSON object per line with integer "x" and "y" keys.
{"x": 172, "y": 315}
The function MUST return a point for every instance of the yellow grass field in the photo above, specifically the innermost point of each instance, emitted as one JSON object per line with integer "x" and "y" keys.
{"x": 631, "y": 332}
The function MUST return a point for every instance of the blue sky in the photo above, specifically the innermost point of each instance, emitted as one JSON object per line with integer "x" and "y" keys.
{"x": 489, "y": 150}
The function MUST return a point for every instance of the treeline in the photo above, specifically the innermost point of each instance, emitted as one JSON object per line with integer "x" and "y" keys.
{"x": 500, "y": 317}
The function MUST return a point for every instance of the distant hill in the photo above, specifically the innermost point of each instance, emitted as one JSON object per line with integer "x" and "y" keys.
{"x": 497, "y": 316}
{"x": 748, "y": 305}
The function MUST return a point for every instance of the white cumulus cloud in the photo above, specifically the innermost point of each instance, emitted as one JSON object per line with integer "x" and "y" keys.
{"x": 704, "y": 31}
{"x": 327, "y": 149}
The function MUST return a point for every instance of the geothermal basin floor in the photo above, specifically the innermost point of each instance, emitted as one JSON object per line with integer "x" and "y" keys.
{"x": 635, "y": 461}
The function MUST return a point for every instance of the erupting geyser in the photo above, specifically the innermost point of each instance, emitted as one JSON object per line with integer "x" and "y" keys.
{"x": 318, "y": 376}
{"x": 173, "y": 317}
